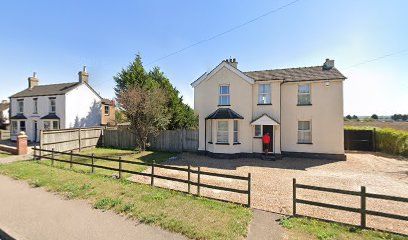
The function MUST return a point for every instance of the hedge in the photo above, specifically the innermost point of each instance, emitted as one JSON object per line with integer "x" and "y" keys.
{"x": 392, "y": 141}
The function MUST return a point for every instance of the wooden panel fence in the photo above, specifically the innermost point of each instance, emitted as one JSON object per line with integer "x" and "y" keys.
{"x": 362, "y": 210}
{"x": 168, "y": 140}
{"x": 70, "y": 139}
{"x": 358, "y": 139}
{"x": 51, "y": 155}
{"x": 5, "y": 134}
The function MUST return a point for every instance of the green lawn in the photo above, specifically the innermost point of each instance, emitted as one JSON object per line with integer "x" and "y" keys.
{"x": 194, "y": 217}
{"x": 305, "y": 228}
{"x": 4, "y": 154}
{"x": 146, "y": 157}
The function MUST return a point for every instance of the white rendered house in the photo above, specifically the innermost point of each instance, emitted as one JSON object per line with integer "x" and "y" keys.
{"x": 54, "y": 106}
{"x": 301, "y": 109}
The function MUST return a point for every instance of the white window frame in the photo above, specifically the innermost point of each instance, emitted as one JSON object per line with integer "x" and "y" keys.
{"x": 264, "y": 97}
{"x": 35, "y": 105}
{"x": 260, "y": 132}
{"x": 223, "y": 133}
{"x": 302, "y": 94}
{"x": 53, "y": 107}
{"x": 236, "y": 131}
{"x": 303, "y": 132}
{"x": 20, "y": 105}
{"x": 14, "y": 127}
{"x": 221, "y": 95}
{"x": 107, "y": 107}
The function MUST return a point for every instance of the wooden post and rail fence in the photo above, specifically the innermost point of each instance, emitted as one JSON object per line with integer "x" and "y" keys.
{"x": 362, "y": 210}
{"x": 50, "y": 155}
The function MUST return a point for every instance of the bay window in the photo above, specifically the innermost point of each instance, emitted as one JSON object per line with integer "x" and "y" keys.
{"x": 222, "y": 132}
{"x": 236, "y": 131}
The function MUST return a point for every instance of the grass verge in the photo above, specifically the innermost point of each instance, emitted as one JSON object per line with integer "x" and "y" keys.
{"x": 306, "y": 228}
{"x": 194, "y": 217}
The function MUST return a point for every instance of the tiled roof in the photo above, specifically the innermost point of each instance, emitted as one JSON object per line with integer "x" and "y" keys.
{"x": 19, "y": 116}
{"x": 51, "y": 116}
{"x": 44, "y": 90}
{"x": 224, "y": 113}
{"x": 296, "y": 74}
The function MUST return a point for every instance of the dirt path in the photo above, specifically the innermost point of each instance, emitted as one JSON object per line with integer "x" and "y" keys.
{"x": 33, "y": 213}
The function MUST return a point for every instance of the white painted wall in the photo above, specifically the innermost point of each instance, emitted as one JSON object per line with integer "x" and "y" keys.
{"x": 43, "y": 110}
{"x": 325, "y": 113}
{"x": 83, "y": 108}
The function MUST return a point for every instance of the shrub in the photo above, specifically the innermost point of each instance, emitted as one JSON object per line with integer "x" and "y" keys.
{"x": 392, "y": 141}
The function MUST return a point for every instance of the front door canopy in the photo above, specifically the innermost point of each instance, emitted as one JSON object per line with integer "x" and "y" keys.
{"x": 264, "y": 120}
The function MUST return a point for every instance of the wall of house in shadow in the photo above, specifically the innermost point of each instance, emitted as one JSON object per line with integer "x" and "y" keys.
{"x": 93, "y": 118}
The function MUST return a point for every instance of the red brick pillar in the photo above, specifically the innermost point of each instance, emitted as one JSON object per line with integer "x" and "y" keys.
{"x": 22, "y": 144}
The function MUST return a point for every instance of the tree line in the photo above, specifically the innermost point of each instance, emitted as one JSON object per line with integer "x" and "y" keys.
{"x": 150, "y": 102}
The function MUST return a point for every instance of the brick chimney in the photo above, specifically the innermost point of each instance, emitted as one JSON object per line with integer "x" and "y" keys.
{"x": 33, "y": 81}
{"x": 232, "y": 61}
{"x": 83, "y": 75}
{"x": 329, "y": 64}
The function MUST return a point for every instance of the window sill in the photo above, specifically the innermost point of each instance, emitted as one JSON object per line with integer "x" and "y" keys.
{"x": 305, "y": 104}
{"x": 262, "y": 104}
{"x": 222, "y": 143}
{"x": 305, "y": 143}
{"x": 219, "y": 105}
{"x": 237, "y": 143}
{"x": 210, "y": 142}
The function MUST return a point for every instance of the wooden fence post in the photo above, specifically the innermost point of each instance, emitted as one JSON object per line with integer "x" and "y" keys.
{"x": 249, "y": 190}
{"x": 40, "y": 152}
{"x": 120, "y": 167}
{"x": 152, "y": 176}
{"x": 363, "y": 207}
{"x": 294, "y": 197}
{"x": 92, "y": 162}
{"x": 52, "y": 157}
{"x": 189, "y": 178}
{"x": 198, "y": 181}
{"x": 35, "y": 152}
{"x": 79, "y": 139}
{"x": 70, "y": 160}
{"x": 41, "y": 140}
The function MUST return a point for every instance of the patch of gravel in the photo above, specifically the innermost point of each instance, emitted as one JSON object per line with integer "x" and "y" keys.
{"x": 272, "y": 184}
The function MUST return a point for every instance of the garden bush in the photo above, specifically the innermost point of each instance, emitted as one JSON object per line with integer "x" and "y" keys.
{"x": 392, "y": 141}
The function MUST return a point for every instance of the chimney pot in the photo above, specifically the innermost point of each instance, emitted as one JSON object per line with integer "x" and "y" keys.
{"x": 33, "y": 81}
{"x": 329, "y": 64}
{"x": 83, "y": 75}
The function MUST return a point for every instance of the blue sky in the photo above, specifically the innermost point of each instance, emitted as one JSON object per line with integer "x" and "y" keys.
{"x": 56, "y": 38}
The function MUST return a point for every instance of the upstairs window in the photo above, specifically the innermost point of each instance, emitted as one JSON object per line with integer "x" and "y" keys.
{"x": 20, "y": 105}
{"x": 304, "y": 132}
{"x": 224, "y": 95}
{"x": 106, "y": 109}
{"x": 304, "y": 94}
{"x": 264, "y": 94}
{"x": 52, "y": 105}
{"x": 35, "y": 105}
{"x": 222, "y": 132}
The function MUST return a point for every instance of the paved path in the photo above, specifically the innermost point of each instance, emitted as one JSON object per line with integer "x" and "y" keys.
{"x": 15, "y": 158}
{"x": 265, "y": 226}
{"x": 33, "y": 213}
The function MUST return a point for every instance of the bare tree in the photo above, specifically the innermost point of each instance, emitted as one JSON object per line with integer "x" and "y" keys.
{"x": 146, "y": 111}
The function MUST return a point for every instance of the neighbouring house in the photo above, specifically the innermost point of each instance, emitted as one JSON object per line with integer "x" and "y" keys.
{"x": 108, "y": 112}
{"x": 301, "y": 109}
{"x": 56, "y": 106}
{"x": 4, "y": 114}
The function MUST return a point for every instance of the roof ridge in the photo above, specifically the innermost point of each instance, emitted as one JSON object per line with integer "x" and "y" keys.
{"x": 52, "y": 84}
{"x": 281, "y": 69}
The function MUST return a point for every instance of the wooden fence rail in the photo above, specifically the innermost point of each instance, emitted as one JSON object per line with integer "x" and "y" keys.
{"x": 363, "y": 202}
{"x": 39, "y": 154}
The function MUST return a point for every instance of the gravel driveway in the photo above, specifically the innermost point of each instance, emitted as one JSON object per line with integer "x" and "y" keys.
{"x": 272, "y": 183}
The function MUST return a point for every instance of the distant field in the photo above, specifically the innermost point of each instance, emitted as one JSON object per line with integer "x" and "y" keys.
{"x": 395, "y": 125}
